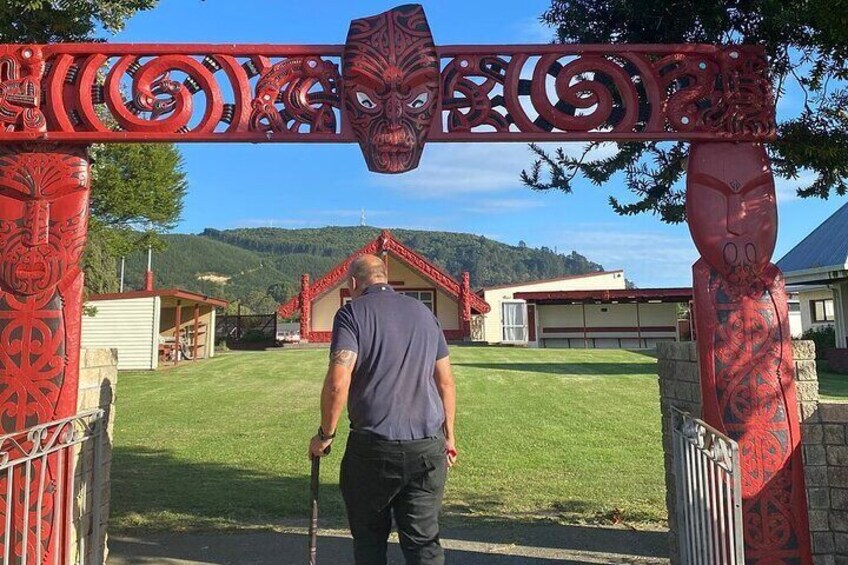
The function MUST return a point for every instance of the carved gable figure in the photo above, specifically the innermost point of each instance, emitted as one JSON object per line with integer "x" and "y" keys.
{"x": 391, "y": 77}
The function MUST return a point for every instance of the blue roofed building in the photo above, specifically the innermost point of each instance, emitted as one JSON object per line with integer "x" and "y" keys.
{"x": 817, "y": 269}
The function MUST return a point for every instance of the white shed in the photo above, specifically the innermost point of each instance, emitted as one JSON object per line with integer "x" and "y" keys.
{"x": 142, "y": 326}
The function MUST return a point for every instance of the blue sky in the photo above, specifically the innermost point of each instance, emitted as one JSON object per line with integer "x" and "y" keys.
{"x": 459, "y": 187}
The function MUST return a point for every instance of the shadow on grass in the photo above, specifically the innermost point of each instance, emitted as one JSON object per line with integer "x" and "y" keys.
{"x": 267, "y": 548}
{"x": 152, "y": 490}
{"x": 595, "y": 369}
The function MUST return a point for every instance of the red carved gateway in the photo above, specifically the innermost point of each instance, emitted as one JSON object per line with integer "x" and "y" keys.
{"x": 86, "y": 93}
{"x": 392, "y": 89}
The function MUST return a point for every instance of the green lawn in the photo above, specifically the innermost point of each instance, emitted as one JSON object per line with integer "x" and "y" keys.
{"x": 832, "y": 386}
{"x": 543, "y": 434}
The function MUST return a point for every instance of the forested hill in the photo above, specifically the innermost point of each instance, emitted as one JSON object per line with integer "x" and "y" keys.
{"x": 261, "y": 267}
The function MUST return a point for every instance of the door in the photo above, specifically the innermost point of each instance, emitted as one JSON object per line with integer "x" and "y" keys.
{"x": 514, "y": 321}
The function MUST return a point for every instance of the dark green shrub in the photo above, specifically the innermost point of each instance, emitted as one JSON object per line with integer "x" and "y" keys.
{"x": 254, "y": 336}
{"x": 824, "y": 338}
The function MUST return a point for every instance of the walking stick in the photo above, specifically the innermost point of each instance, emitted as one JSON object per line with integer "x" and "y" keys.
{"x": 313, "y": 520}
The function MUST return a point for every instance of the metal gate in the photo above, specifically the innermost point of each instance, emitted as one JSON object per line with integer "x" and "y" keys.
{"x": 51, "y": 492}
{"x": 709, "y": 493}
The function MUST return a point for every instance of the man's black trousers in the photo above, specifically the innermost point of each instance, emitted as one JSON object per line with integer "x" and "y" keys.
{"x": 405, "y": 478}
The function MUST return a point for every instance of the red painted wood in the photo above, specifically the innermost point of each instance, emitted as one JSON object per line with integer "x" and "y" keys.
{"x": 609, "y": 329}
{"x": 304, "y": 301}
{"x": 745, "y": 346}
{"x": 531, "y": 322}
{"x": 606, "y": 296}
{"x": 63, "y": 91}
{"x": 43, "y": 221}
{"x": 386, "y": 242}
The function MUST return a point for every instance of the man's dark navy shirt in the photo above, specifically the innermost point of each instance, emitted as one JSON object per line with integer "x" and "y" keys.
{"x": 397, "y": 341}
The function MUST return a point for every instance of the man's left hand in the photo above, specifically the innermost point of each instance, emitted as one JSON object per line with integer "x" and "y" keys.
{"x": 319, "y": 447}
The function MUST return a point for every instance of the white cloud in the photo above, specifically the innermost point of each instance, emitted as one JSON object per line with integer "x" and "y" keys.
{"x": 532, "y": 30}
{"x": 453, "y": 169}
{"x": 315, "y": 218}
{"x": 503, "y": 206}
{"x": 787, "y": 189}
{"x": 650, "y": 258}
{"x": 273, "y": 223}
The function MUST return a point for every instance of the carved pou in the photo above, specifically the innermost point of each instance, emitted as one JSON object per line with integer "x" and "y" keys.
{"x": 44, "y": 193}
{"x": 391, "y": 82}
{"x": 744, "y": 343}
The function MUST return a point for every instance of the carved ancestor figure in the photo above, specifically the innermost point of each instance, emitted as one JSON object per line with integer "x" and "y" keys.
{"x": 391, "y": 78}
{"x": 43, "y": 219}
{"x": 744, "y": 342}
{"x": 21, "y": 68}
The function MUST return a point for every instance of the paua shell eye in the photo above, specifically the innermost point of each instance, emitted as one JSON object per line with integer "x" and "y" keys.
{"x": 420, "y": 100}
{"x": 365, "y": 101}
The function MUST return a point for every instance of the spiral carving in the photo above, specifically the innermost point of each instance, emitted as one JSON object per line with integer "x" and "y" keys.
{"x": 583, "y": 92}
{"x": 101, "y": 92}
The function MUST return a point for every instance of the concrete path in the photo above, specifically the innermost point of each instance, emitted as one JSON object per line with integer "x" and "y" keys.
{"x": 486, "y": 545}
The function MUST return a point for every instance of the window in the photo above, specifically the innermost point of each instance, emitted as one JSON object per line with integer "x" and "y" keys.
{"x": 425, "y": 296}
{"x": 795, "y": 307}
{"x": 514, "y": 321}
{"x": 822, "y": 310}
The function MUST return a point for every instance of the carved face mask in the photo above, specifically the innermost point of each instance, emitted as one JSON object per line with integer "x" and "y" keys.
{"x": 731, "y": 206}
{"x": 43, "y": 218}
{"x": 391, "y": 81}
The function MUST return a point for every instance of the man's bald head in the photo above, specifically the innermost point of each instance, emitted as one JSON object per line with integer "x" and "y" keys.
{"x": 367, "y": 270}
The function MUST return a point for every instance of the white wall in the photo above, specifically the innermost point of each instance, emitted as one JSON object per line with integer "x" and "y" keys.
{"x": 324, "y": 310}
{"x": 492, "y": 322}
{"x": 607, "y": 325}
{"x": 447, "y": 309}
{"x": 130, "y": 325}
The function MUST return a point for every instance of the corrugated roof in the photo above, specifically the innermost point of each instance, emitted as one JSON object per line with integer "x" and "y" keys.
{"x": 825, "y": 248}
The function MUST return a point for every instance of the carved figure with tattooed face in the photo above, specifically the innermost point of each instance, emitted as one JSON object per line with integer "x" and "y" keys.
{"x": 391, "y": 76}
{"x": 731, "y": 207}
{"x": 44, "y": 219}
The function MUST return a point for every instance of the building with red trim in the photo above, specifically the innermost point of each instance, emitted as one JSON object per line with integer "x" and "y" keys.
{"x": 452, "y": 301}
{"x": 591, "y": 310}
{"x": 152, "y": 326}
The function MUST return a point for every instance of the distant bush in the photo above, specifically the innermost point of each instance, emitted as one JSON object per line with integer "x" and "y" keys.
{"x": 824, "y": 338}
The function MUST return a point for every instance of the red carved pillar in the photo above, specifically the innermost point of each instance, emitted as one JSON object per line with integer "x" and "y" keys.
{"x": 745, "y": 345}
{"x": 305, "y": 300}
{"x": 465, "y": 305}
{"x": 44, "y": 193}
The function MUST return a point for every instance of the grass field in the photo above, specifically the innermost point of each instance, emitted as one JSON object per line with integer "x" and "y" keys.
{"x": 572, "y": 436}
{"x": 832, "y": 386}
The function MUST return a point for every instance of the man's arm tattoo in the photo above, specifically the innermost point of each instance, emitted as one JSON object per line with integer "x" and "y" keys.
{"x": 343, "y": 357}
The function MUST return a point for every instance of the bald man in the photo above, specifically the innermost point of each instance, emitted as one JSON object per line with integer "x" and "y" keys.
{"x": 389, "y": 362}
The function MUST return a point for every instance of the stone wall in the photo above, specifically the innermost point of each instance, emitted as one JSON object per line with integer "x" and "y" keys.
{"x": 824, "y": 431}
{"x": 98, "y": 377}
{"x": 677, "y": 366}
